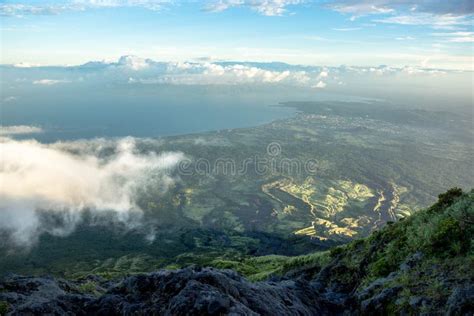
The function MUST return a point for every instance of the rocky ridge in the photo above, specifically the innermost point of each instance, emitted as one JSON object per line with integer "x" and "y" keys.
{"x": 405, "y": 268}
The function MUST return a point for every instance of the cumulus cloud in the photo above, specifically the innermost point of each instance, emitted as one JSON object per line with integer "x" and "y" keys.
{"x": 19, "y": 129}
{"x": 264, "y": 7}
{"x": 320, "y": 85}
{"x": 133, "y": 62}
{"x": 213, "y": 73}
{"x": 41, "y": 182}
{"x": 323, "y": 74}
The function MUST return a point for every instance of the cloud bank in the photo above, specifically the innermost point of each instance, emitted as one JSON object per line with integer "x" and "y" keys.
{"x": 227, "y": 74}
{"x": 133, "y": 70}
{"x": 142, "y": 77}
{"x": 45, "y": 187}
{"x": 19, "y": 129}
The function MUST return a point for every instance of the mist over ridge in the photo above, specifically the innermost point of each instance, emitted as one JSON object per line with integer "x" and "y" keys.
{"x": 63, "y": 179}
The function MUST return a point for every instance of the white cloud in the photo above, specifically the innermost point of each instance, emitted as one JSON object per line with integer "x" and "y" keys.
{"x": 20, "y": 10}
{"x": 457, "y": 37}
{"x": 213, "y": 73}
{"x": 241, "y": 73}
{"x": 438, "y": 7}
{"x": 358, "y": 9}
{"x": 394, "y": 71}
{"x": 420, "y": 71}
{"x": 264, "y": 7}
{"x": 38, "y": 178}
{"x": 323, "y": 74}
{"x": 462, "y": 39}
{"x": 19, "y": 129}
{"x": 405, "y": 38}
{"x": 133, "y": 62}
{"x": 48, "y": 82}
{"x": 320, "y": 85}
{"x": 439, "y": 14}
{"x": 147, "y": 4}
{"x": 9, "y": 99}
{"x": 346, "y": 29}
{"x": 26, "y": 65}
{"x": 446, "y": 21}
{"x": 136, "y": 71}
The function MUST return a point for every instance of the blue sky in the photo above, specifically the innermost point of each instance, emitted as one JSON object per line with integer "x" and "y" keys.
{"x": 429, "y": 34}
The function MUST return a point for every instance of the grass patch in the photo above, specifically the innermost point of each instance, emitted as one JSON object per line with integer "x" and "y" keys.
{"x": 89, "y": 287}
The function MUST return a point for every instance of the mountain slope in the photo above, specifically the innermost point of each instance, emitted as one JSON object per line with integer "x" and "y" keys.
{"x": 422, "y": 264}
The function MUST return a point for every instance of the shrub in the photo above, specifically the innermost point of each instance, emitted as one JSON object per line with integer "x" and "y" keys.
{"x": 381, "y": 267}
{"x": 447, "y": 233}
{"x": 448, "y": 198}
{"x": 334, "y": 252}
{"x": 356, "y": 244}
{"x": 88, "y": 287}
{"x": 3, "y": 308}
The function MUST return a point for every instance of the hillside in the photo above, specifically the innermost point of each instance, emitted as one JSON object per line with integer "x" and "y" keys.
{"x": 421, "y": 264}
{"x": 370, "y": 163}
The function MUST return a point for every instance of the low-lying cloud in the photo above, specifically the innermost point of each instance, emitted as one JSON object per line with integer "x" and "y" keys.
{"x": 233, "y": 74}
{"x": 19, "y": 129}
{"x": 137, "y": 75}
{"x": 53, "y": 179}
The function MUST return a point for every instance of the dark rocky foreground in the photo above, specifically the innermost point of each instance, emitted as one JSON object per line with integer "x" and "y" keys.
{"x": 422, "y": 265}
{"x": 208, "y": 291}
{"x": 183, "y": 292}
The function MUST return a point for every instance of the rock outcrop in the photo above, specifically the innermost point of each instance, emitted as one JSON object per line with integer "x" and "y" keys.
{"x": 421, "y": 265}
{"x": 182, "y": 292}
